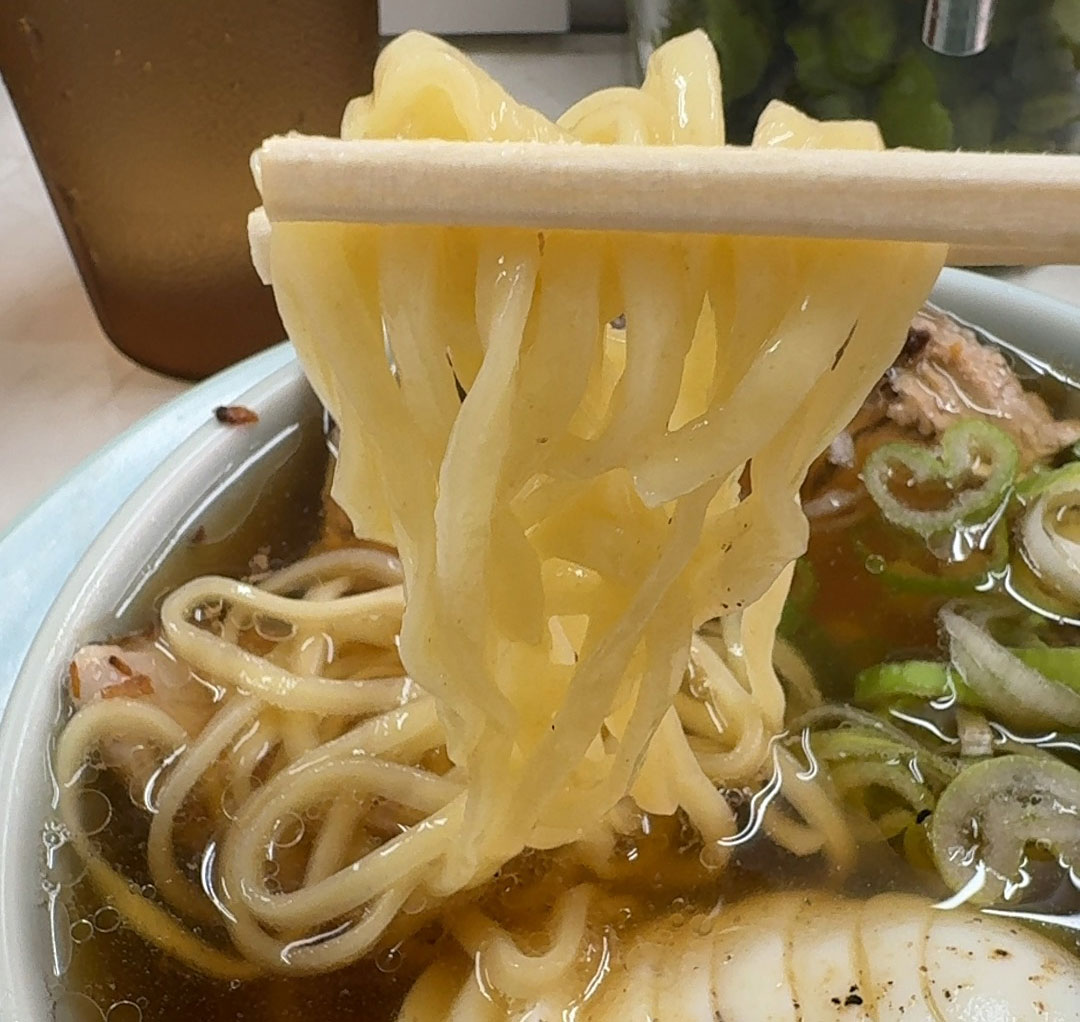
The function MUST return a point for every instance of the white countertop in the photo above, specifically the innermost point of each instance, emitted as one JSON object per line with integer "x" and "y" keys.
{"x": 65, "y": 391}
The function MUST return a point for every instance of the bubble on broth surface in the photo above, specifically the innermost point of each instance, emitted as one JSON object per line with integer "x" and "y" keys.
{"x": 231, "y": 800}
{"x": 95, "y": 810}
{"x": 390, "y": 960}
{"x": 74, "y": 1007}
{"x": 289, "y": 832}
{"x": 137, "y": 792}
{"x": 124, "y": 1011}
{"x": 81, "y": 931}
{"x": 206, "y": 612}
{"x": 273, "y": 629}
{"x": 712, "y": 856}
{"x": 91, "y": 770}
{"x": 106, "y": 919}
{"x": 236, "y": 793}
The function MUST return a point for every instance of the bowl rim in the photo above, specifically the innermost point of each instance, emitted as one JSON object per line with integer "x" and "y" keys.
{"x": 1042, "y": 326}
{"x": 156, "y": 508}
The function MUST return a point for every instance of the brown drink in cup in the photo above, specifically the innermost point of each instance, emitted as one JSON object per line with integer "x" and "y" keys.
{"x": 142, "y": 115}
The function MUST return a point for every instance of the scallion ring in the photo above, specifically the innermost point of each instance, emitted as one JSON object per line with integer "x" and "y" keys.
{"x": 975, "y": 461}
{"x": 988, "y": 816}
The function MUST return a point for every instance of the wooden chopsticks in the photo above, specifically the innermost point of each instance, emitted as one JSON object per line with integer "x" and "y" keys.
{"x": 989, "y": 208}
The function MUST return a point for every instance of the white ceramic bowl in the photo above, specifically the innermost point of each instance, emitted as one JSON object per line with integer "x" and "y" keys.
{"x": 124, "y": 557}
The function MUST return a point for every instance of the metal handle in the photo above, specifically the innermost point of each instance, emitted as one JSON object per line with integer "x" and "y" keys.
{"x": 958, "y": 28}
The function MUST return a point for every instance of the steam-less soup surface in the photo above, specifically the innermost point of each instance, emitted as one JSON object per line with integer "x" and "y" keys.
{"x": 863, "y": 611}
{"x": 708, "y": 651}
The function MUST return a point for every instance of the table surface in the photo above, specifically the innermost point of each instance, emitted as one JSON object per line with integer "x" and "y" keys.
{"x": 65, "y": 391}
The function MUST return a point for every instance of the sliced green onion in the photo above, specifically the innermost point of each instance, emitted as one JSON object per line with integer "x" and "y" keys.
{"x": 894, "y": 777}
{"x": 1041, "y": 479}
{"x": 1058, "y": 663}
{"x": 860, "y": 744}
{"x": 1054, "y": 558}
{"x": 1005, "y": 684}
{"x": 967, "y": 450}
{"x": 862, "y": 762}
{"x": 910, "y": 679}
{"x": 992, "y": 811}
{"x": 925, "y": 680}
{"x": 832, "y": 714}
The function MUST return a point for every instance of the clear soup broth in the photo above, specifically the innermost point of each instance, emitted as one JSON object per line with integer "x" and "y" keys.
{"x": 861, "y": 640}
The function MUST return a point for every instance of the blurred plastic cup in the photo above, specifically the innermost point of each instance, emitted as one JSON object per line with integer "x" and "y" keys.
{"x": 142, "y": 117}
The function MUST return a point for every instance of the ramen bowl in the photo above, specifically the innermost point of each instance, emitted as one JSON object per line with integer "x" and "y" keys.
{"x": 206, "y": 489}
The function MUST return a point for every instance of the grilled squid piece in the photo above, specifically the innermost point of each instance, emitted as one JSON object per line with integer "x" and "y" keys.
{"x": 792, "y": 957}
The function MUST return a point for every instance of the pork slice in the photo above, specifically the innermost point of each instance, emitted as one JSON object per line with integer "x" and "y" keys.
{"x": 946, "y": 374}
{"x": 141, "y": 667}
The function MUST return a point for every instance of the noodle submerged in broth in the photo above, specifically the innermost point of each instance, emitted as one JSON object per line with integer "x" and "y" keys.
{"x": 575, "y": 693}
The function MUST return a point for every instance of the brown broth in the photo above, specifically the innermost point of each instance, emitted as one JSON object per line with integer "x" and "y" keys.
{"x": 239, "y": 536}
{"x": 853, "y": 614}
{"x": 656, "y": 875}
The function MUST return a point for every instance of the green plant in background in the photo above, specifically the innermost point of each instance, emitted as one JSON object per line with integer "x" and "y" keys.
{"x": 861, "y": 40}
{"x": 1066, "y": 15}
{"x": 909, "y": 110}
{"x": 863, "y": 58}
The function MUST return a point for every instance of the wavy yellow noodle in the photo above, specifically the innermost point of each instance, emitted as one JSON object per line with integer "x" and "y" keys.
{"x": 617, "y": 454}
{"x": 639, "y": 486}
{"x": 564, "y": 530}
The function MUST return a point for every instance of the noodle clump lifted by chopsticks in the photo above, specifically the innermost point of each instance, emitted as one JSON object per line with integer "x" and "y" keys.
{"x": 597, "y": 495}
